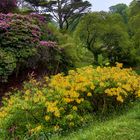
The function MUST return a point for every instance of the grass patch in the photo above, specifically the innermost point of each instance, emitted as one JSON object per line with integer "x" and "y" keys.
{"x": 122, "y": 127}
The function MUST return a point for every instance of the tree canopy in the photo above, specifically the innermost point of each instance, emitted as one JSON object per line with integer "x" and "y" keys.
{"x": 120, "y": 9}
{"x": 106, "y": 34}
{"x": 62, "y": 11}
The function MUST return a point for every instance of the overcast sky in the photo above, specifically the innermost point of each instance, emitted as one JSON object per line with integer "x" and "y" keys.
{"x": 99, "y": 5}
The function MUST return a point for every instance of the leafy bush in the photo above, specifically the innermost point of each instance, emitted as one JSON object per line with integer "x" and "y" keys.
{"x": 19, "y": 38}
{"x": 106, "y": 34}
{"x": 61, "y": 102}
{"x": 73, "y": 50}
{"x": 50, "y": 59}
{"x": 25, "y": 43}
{"x": 7, "y": 63}
{"x": 135, "y": 32}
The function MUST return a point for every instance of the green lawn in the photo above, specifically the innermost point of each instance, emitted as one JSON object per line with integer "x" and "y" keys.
{"x": 121, "y": 127}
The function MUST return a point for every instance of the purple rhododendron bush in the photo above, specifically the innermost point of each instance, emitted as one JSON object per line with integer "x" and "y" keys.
{"x": 25, "y": 44}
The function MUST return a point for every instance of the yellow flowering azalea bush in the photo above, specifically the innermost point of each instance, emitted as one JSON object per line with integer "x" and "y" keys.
{"x": 63, "y": 101}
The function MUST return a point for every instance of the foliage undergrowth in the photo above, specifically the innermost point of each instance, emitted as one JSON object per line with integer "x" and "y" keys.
{"x": 64, "y": 102}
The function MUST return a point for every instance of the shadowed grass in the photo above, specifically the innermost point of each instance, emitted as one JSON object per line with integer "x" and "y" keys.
{"x": 137, "y": 69}
{"x": 138, "y": 72}
{"x": 121, "y": 127}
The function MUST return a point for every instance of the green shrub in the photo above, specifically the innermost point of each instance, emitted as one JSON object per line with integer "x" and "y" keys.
{"x": 7, "y": 63}
{"x": 21, "y": 38}
{"x": 73, "y": 50}
{"x": 106, "y": 34}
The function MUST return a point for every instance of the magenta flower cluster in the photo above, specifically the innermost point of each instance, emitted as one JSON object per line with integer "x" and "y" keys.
{"x": 10, "y": 22}
{"x": 48, "y": 43}
{"x": 38, "y": 16}
{"x": 4, "y": 22}
{"x": 7, "y": 21}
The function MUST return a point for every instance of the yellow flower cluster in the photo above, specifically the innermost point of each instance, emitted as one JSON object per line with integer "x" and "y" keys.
{"x": 52, "y": 108}
{"x": 113, "y": 81}
{"x": 62, "y": 101}
{"x": 36, "y": 129}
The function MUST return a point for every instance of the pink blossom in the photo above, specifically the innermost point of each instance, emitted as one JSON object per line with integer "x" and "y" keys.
{"x": 48, "y": 43}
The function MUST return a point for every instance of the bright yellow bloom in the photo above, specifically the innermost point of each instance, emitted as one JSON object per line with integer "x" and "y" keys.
{"x": 74, "y": 108}
{"x": 89, "y": 94}
{"x": 83, "y": 89}
{"x": 102, "y": 84}
{"x": 36, "y": 129}
{"x": 138, "y": 94}
{"x": 27, "y": 92}
{"x": 92, "y": 87}
{"x": 57, "y": 114}
{"x": 120, "y": 99}
{"x": 26, "y": 98}
{"x": 36, "y": 99}
{"x": 119, "y": 65}
{"x": 33, "y": 81}
{"x": 3, "y": 114}
{"x": 78, "y": 101}
{"x": 56, "y": 127}
{"x": 68, "y": 100}
{"x": 47, "y": 118}
{"x": 127, "y": 87}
